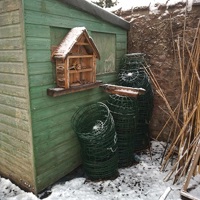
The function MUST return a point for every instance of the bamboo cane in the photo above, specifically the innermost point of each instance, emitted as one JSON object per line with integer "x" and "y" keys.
{"x": 187, "y": 131}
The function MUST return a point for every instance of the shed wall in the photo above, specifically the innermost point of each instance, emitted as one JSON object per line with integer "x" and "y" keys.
{"x": 15, "y": 135}
{"x": 56, "y": 148}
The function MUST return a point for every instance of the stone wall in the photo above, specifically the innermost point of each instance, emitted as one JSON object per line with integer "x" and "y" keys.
{"x": 156, "y": 36}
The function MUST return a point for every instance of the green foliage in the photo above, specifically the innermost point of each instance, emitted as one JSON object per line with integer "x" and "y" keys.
{"x": 105, "y": 3}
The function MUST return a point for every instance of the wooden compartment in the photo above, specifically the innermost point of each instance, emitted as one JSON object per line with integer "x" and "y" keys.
{"x": 82, "y": 70}
{"x": 75, "y": 59}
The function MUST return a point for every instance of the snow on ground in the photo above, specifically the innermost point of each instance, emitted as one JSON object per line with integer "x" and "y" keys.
{"x": 143, "y": 181}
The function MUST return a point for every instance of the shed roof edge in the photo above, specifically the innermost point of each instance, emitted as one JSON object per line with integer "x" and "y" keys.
{"x": 99, "y": 12}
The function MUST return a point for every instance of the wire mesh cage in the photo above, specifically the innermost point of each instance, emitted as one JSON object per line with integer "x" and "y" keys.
{"x": 95, "y": 128}
{"x": 133, "y": 60}
{"x": 133, "y": 77}
{"x": 132, "y": 74}
{"x": 124, "y": 111}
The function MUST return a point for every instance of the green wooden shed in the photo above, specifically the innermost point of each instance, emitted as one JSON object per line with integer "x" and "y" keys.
{"x": 37, "y": 144}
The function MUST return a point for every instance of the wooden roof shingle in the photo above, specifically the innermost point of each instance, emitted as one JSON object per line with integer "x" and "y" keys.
{"x": 70, "y": 40}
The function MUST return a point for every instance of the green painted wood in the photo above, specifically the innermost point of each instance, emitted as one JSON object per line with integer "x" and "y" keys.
{"x": 38, "y": 55}
{"x": 13, "y": 43}
{"x": 14, "y": 132}
{"x": 10, "y": 31}
{"x": 55, "y": 134}
{"x": 33, "y": 17}
{"x": 22, "y": 168}
{"x": 55, "y": 145}
{"x": 47, "y": 124}
{"x": 56, "y": 8}
{"x": 38, "y": 43}
{"x": 120, "y": 53}
{"x": 60, "y": 10}
{"x": 52, "y": 133}
{"x": 58, "y": 156}
{"x": 118, "y": 61}
{"x": 12, "y": 79}
{"x": 14, "y": 122}
{"x": 20, "y": 177}
{"x": 57, "y": 35}
{"x": 121, "y": 46}
{"x": 106, "y": 44}
{"x": 20, "y": 145}
{"x": 7, "y": 162}
{"x": 40, "y": 68}
{"x": 12, "y": 67}
{"x": 11, "y": 56}
{"x": 22, "y": 173}
{"x": 9, "y": 18}
{"x": 12, "y": 101}
{"x": 15, "y": 137}
{"x": 46, "y": 101}
{"x": 58, "y": 171}
{"x": 40, "y": 91}
{"x": 41, "y": 79}
{"x": 14, "y": 112}
{"x": 41, "y": 114}
{"x": 22, "y": 156}
{"x": 31, "y": 30}
{"x": 122, "y": 37}
{"x": 9, "y": 5}
{"x": 12, "y": 90}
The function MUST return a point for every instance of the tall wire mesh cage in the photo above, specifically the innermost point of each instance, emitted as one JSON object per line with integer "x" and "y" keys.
{"x": 124, "y": 111}
{"x": 95, "y": 128}
{"x": 132, "y": 74}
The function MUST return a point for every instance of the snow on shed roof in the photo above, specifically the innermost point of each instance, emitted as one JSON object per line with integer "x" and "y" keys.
{"x": 99, "y": 12}
{"x": 69, "y": 41}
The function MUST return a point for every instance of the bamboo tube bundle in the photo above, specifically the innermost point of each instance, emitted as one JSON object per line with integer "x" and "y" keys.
{"x": 185, "y": 118}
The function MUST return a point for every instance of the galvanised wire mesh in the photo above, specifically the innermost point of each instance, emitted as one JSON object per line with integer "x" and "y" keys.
{"x": 132, "y": 74}
{"x": 124, "y": 111}
{"x": 95, "y": 128}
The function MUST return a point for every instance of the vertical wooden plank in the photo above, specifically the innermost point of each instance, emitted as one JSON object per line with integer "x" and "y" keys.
{"x": 94, "y": 68}
{"x": 67, "y": 77}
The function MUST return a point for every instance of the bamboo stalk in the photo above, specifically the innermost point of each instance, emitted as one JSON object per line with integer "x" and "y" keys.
{"x": 185, "y": 166}
{"x": 185, "y": 118}
{"x": 194, "y": 162}
{"x": 171, "y": 149}
{"x": 161, "y": 93}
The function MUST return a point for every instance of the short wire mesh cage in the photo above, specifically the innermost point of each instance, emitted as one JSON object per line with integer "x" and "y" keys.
{"x": 95, "y": 128}
{"x": 133, "y": 60}
{"x": 124, "y": 111}
{"x": 132, "y": 74}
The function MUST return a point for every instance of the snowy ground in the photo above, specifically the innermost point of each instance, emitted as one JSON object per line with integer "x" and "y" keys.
{"x": 143, "y": 181}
